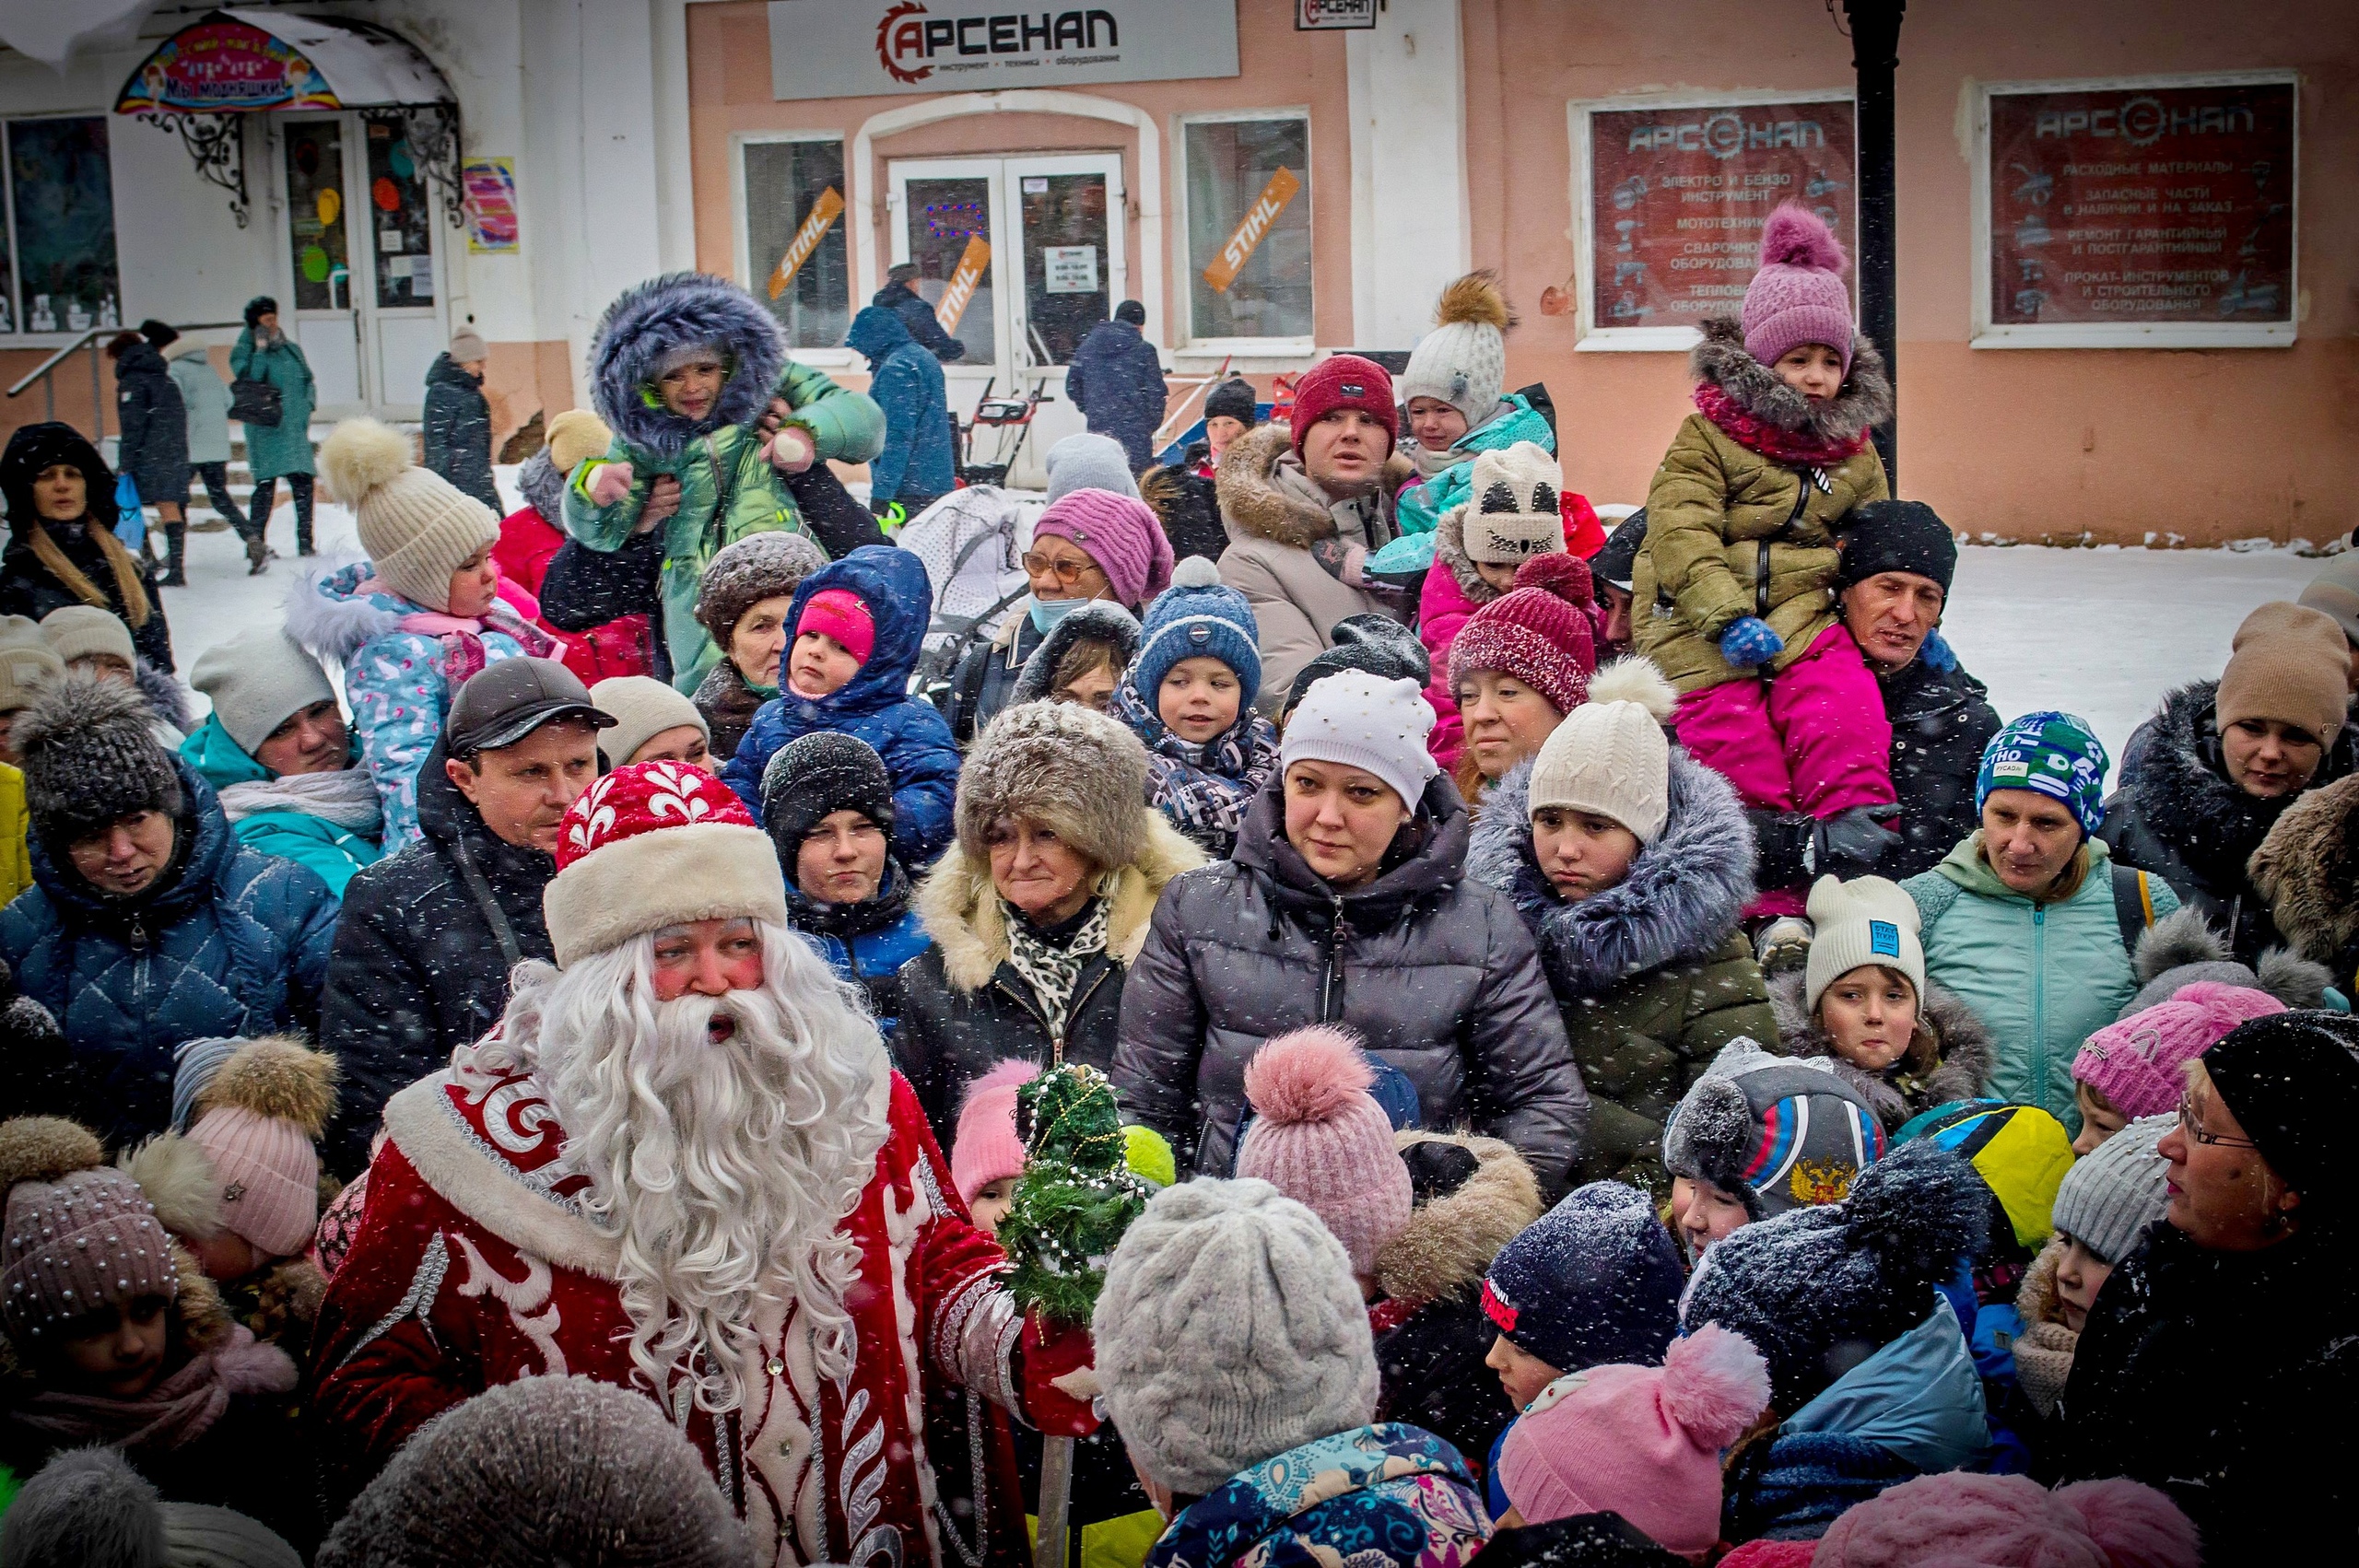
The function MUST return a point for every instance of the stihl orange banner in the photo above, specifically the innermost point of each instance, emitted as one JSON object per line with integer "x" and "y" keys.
{"x": 1255, "y": 227}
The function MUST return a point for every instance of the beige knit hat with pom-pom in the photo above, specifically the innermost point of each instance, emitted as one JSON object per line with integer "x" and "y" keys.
{"x": 415, "y": 525}
{"x": 1610, "y": 755}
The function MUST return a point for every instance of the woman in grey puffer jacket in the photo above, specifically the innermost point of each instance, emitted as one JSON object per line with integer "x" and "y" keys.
{"x": 1436, "y": 972}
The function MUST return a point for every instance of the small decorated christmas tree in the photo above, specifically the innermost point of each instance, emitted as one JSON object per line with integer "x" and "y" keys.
{"x": 1076, "y": 1196}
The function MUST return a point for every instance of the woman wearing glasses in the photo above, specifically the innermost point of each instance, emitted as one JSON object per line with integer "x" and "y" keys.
{"x": 2221, "y": 1357}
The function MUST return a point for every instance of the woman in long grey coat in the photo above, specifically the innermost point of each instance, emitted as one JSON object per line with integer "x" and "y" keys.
{"x": 281, "y": 450}
{"x": 1347, "y": 902}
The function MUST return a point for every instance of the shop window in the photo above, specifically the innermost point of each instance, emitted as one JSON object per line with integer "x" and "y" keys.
{"x": 792, "y": 224}
{"x": 403, "y": 216}
{"x": 1247, "y": 185}
{"x": 58, "y": 272}
{"x": 316, "y": 231}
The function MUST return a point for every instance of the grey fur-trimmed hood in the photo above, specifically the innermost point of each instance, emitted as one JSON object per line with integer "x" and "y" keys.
{"x": 330, "y": 618}
{"x": 542, "y": 488}
{"x": 1684, "y": 893}
{"x": 166, "y": 696}
{"x": 1967, "y": 1051}
{"x": 1100, "y": 618}
{"x": 681, "y": 311}
{"x": 1863, "y": 402}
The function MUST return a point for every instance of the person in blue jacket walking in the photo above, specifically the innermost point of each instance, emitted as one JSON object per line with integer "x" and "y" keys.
{"x": 827, "y": 803}
{"x": 1116, "y": 380}
{"x": 859, "y": 624}
{"x": 915, "y": 468}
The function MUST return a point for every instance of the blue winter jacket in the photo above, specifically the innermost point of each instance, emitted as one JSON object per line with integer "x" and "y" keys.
{"x": 905, "y": 382}
{"x": 332, "y": 853}
{"x": 1116, "y": 381}
{"x": 236, "y": 944}
{"x": 865, "y": 944}
{"x": 874, "y": 705}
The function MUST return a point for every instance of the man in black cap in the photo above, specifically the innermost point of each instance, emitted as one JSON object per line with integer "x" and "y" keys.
{"x": 1116, "y": 380}
{"x": 429, "y": 935}
{"x": 1893, "y": 585}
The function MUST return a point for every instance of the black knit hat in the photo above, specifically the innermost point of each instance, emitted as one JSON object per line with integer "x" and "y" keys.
{"x": 159, "y": 335}
{"x": 824, "y": 772}
{"x": 1232, "y": 399}
{"x": 258, "y": 307}
{"x": 90, "y": 757}
{"x": 1617, "y": 561}
{"x": 1896, "y": 536}
{"x": 1377, "y": 644}
{"x": 2293, "y": 1081}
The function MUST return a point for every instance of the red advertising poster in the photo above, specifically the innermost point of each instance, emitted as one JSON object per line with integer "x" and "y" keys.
{"x": 1678, "y": 197}
{"x": 2141, "y": 205}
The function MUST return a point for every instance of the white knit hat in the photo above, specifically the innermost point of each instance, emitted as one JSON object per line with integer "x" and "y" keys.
{"x": 26, "y": 660}
{"x": 78, "y": 631}
{"x": 1866, "y": 920}
{"x": 1463, "y": 361}
{"x": 1356, "y": 720}
{"x": 415, "y": 525}
{"x": 1512, "y": 515}
{"x": 1610, "y": 754}
{"x": 258, "y": 680}
{"x": 643, "y": 708}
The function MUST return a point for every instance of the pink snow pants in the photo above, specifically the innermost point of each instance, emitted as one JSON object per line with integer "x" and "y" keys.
{"x": 1813, "y": 738}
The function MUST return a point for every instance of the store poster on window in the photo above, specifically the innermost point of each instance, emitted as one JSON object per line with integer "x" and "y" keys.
{"x": 1678, "y": 196}
{"x": 489, "y": 186}
{"x": 2143, "y": 206}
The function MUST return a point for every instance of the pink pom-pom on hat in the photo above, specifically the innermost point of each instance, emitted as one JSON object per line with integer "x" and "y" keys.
{"x": 1320, "y": 1137}
{"x": 985, "y": 1148}
{"x": 2137, "y": 1063}
{"x": 1798, "y": 296}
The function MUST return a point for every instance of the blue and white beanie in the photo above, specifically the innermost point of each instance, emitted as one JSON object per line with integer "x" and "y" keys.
{"x": 2050, "y": 754}
{"x": 1198, "y": 615}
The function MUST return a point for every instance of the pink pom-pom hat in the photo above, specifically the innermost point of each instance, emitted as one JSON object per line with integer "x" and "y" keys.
{"x": 1798, "y": 296}
{"x": 1320, "y": 1137}
{"x": 2011, "y": 1521}
{"x": 2136, "y": 1063}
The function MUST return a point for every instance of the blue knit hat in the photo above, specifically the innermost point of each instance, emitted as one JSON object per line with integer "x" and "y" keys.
{"x": 1594, "y": 1282}
{"x": 2050, "y": 753}
{"x": 1198, "y": 614}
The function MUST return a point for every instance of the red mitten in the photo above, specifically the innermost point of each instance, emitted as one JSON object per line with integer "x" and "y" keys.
{"x": 609, "y": 484}
{"x": 790, "y": 450}
{"x": 1051, "y": 1358}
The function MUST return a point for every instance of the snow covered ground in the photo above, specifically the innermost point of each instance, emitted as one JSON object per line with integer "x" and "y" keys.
{"x": 2103, "y": 633}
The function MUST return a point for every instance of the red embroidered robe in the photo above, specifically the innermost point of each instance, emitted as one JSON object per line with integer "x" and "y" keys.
{"x": 473, "y": 1266}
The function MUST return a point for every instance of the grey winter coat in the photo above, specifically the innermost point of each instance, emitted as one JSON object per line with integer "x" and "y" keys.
{"x": 1434, "y": 971}
{"x": 456, "y": 431}
{"x": 205, "y": 397}
{"x": 1962, "y": 1044}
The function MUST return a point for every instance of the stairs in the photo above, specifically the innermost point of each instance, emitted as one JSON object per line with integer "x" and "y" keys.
{"x": 202, "y": 518}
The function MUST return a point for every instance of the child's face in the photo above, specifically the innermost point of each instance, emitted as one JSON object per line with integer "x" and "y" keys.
{"x": 2079, "y": 1275}
{"x": 118, "y": 1352}
{"x": 1581, "y": 853}
{"x": 1521, "y": 1374}
{"x": 691, "y": 389}
{"x": 1703, "y": 1213}
{"x": 1197, "y": 698}
{"x": 1498, "y": 574}
{"x": 1220, "y": 429}
{"x": 1869, "y": 1014}
{"x": 1813, "y": 369}
{"x": 473, "y": 585}
{"x": 2100, "y": 1117}
{"x": 819, "y": 664}
{"x": 1436, "y": 424}
{"x": 226, "y": 1256}
{"x": 990, "y": 1205}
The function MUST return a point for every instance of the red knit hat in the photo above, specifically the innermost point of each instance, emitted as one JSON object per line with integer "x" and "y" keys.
{"x": 1540, "y": 633}
{"x": 1346, "y": 380}
{"x": 657, "y": 844}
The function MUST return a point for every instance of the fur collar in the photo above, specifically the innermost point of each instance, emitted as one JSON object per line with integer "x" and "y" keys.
{"x": 961, "y": 911}
{"x": 1449, "y": 1242}
{"x": 166, "y": 699}
{"x": 2186, "y": 800}
{"x": 1967, "y": 1054}
{"x": 2308, "y": 869}
{"x": 331, "y": 619}
{"x": 1261, "y": 483}
{"x": 1450, "y": 549}
{"x": 681, "y": 311}
{"x": 542, "y": 488}
{"x": 1680, "y": 900}
{"x": 1864, "y": 402}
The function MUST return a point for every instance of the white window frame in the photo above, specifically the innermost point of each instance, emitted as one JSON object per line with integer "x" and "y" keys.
{"x": 1984, "y": 333}
{"x": 835, "y": 358}
{"x": 1592, "y": 338}
{"x": 1245, "y": 354}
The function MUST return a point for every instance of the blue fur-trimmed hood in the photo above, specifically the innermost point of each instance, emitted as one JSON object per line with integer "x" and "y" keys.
{"x": 680, "y": 311}
{"x": 1682, "y": 898}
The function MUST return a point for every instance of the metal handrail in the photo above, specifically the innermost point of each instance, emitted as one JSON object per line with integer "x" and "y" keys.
{"x": 89, "y": 339}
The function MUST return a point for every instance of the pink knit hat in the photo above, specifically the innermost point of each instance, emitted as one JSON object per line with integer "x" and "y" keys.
{"x": 1643, "y": 1442}
{"x": 258, "y": 1118}
{"x": 839, "y": 614}
{"x": 78, "y": 1236}
{"x": 985, "y": 1148}
{"x": 1121, "y": 534}
{"x": 2004, "y": 1521}
{"x": 1320, "y": 1137}
{"x": 1798, "y": 296}
{"x": 2135, "y": 1063}
{"x": 1540, "y": 632}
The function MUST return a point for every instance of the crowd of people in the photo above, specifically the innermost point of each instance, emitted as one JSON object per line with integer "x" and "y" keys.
{"x": 1633, "y": 1059}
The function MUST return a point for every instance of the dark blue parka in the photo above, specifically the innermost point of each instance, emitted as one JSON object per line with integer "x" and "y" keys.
{"x": 905, "y": 382}
{"x": 1117, "y": 382}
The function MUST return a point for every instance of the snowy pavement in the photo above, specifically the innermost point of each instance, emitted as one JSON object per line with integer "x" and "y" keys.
{"x": 2103, "y": 633}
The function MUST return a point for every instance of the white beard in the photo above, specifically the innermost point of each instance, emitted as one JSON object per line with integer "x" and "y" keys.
{"x": 723, "y": 1168}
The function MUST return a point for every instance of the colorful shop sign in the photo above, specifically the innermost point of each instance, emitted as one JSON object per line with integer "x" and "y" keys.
{"x": 223, "y": 66}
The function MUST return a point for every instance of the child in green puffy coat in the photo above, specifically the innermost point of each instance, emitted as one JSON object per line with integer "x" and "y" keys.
{"x": 710, "y": 417}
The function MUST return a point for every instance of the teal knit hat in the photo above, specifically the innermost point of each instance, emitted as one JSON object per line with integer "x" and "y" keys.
{"x": 2050, "y": 753}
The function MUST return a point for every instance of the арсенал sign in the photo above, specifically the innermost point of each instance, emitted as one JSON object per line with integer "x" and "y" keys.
{"x": 845, "y": 48}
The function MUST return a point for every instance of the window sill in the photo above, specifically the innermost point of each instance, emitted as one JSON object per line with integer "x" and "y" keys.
{"x": 1639, "y": 340}
{"x": 826, "y": 358}
{"x": 2126, "y": 334}
{"x": 1246, "y": 356}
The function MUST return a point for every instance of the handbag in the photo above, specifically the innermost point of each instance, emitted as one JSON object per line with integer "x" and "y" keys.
{"x": 255, "y": 402}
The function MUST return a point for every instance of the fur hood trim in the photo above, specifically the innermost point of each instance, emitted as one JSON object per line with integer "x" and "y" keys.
{"x": 1969, "y": 1053}
{"x": 1100, "y": 618}
{"x": 1449, "y": 1243}
{"x": 542, "y": 488}
{"x": 961, "y": 911}
{"x": 2308, "y": 869}
{"x": 1680, "y": 900}
{"x": 1450, "y": 549}
{"x": 177, "y": 1178}
{"x": 1863, "y": 402}
{"x": 166, "y": 699}
{"x": 328, "y": 615}
{"x": 681, "y": 311}
{"x": 2213, "y": 826}
{"x": 1254, "y": 503}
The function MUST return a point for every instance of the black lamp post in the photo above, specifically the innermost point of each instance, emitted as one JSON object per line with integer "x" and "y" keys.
{"x": 1875, "y": 56}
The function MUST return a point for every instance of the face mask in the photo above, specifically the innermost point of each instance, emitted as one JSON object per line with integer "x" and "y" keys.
{"x": 1046, "y": 613}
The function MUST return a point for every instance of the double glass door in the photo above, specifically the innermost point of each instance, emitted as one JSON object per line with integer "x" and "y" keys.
{"x": 362, "y": 246}
{"x": 1020, "y": 257}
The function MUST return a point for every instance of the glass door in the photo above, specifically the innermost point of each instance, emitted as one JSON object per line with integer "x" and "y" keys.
{"x": 1073, "y": 253}
{"x": 324, "y": 320}
{"x": 398, "y": 302}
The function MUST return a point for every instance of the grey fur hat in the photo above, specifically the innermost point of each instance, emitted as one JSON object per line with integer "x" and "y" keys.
{"x": 1230, "y": 1329}
{"x": 1101, "y": 620}
{"x": 1066, "y": 767}
{"x": 740, "y": 575}
{"x": 89, "y": 1507}
{"x": 91, "y": 756}
{"x": 2182, "y": 948}
{"x": 541, "y": 1472}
